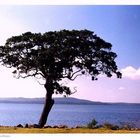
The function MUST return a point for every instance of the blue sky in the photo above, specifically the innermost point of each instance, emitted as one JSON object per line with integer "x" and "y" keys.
{"x": 118, "y": 25}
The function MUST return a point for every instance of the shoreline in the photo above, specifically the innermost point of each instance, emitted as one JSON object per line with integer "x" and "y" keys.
{"x": 63, "y": 129}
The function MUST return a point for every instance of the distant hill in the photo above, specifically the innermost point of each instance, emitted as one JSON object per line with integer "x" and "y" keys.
{"x": 71, "y": 100}
{"x": 67, "y": 100}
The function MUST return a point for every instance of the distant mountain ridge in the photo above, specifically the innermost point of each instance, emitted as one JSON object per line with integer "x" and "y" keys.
{"x": 61, "y": 100}
{"x": 68, "y": 100}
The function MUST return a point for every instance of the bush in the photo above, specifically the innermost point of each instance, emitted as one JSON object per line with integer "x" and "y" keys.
{"x": 92, "y": 124}
{"x": 110, "y": 126}
{"x": 127, "y": 126}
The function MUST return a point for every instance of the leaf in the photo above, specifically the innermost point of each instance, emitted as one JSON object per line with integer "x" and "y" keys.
{"x": 14, "y": 72}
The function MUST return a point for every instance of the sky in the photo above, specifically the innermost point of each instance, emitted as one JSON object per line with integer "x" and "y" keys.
{"x": 118, "y": 25}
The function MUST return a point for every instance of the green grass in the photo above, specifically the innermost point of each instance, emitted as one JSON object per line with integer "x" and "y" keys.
{"x": 62, "y": 130}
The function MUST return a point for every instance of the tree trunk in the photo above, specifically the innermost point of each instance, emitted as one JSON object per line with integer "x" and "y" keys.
{"x": 47, "y": 106}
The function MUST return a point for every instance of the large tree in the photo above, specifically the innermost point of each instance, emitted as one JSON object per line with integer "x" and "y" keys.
{"x": 58, "y": 55}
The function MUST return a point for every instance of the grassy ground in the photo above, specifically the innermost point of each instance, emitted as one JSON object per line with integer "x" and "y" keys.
{"x": 62, "y": 130}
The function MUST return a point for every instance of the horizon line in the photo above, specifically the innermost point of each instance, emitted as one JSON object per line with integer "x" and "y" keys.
{"x": 110, "y": 102}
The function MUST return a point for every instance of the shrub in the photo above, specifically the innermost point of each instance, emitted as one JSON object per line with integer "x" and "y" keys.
{"x": 127, "y": 126}
{"x": 92, "y": 124}
{"x": 110, "y": 126}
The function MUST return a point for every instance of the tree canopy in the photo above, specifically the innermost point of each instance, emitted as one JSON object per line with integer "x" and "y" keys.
{"x": 59, "y": 54}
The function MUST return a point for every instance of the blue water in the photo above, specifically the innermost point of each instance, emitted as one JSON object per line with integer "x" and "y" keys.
{"x": 12, "y": 114}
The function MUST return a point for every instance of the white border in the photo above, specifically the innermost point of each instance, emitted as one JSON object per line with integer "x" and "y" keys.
{"x": 69, "y": 2}
{"x": 70, "y": 136}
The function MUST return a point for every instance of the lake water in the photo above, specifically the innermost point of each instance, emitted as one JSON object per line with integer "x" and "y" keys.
{"x": 12, "y": 114}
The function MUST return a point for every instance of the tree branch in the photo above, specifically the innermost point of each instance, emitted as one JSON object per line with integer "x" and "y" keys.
{"x": 75, "y": 90}
{"x": 75, "y": 73}
{"x": 72, "y": 79}
{"x": 32, "y": 75}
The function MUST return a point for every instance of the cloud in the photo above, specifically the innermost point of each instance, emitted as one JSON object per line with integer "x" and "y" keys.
{"x": 131, "y": 73}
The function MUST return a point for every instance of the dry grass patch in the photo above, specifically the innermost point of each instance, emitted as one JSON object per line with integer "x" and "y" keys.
{"x": 62, "y": 130}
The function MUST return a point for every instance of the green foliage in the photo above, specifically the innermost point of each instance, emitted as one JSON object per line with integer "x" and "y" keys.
{"x": 58, "y": 55}
{"x": 92, "y": 124}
